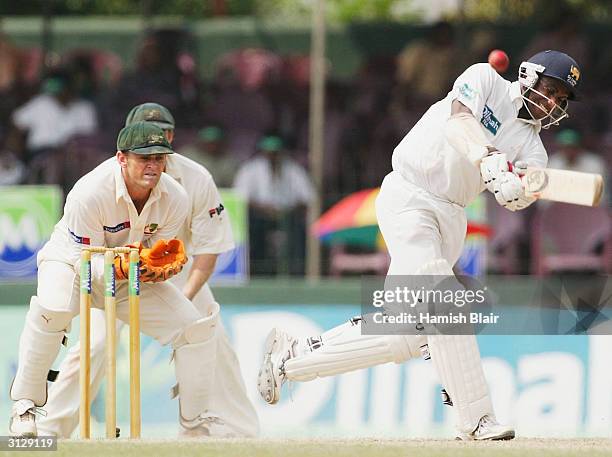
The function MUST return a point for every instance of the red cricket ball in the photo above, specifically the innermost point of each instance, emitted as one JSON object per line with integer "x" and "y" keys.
{"x": 499, "y": 60}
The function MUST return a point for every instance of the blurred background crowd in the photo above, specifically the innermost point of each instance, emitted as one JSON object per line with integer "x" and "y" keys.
{"x": 244, "y": 112}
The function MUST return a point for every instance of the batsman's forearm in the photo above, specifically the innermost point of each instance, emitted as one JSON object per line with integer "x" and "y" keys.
{"x": 201, "y": 270}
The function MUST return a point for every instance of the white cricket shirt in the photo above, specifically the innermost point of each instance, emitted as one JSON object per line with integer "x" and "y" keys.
{"x": 207, "y": 228}
{"x": 426, "y": 159}
{"x": 100, "y": 212}
{"x": 291, "y": 187}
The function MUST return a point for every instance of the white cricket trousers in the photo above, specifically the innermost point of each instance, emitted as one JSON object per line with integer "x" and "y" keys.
{"x": 421, "y": 229}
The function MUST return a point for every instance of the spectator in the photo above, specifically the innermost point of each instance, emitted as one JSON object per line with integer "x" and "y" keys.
{"x": 165, "y": 72}
{"x": 240, "y": 99}
{"x": 10, "y": 75}
{"x": 9, "y": 64}
{"x": 48, "y": 121}
{"x": 562, "y": 32}
{"x": 571, "y": 155}
{"x": 482, "y": 42}
{"x": 278, "y": 191}
{"x": 210, "y": 151}
{"x": 426, "y": 68}
{"x": 12, "y": 170}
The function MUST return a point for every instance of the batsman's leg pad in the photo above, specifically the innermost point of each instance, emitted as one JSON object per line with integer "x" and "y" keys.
{"x": 195, "y": 367}
{"x": 457, "y": 361}
{"x": 38, "y": 348}
{"x": 344, "y": 348}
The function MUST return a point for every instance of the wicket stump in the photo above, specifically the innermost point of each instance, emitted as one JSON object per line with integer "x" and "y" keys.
{"x": 110, "y": 306}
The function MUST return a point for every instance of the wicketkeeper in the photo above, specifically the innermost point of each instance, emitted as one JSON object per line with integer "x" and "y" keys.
{"x": 207, "y": 233}
{"x": 131, "y": 202}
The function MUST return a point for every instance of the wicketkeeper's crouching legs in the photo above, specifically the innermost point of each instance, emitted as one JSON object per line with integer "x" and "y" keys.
{"x": 194, "y": 357}
{"x": 229, "y": 399}
{"x": 195, "y": 349}
{"x": 165, "y": 315}
{"x": 63, "y": 402}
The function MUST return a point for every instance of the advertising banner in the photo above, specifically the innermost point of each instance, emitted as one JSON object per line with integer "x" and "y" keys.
{"x": 233, "y": 266}
{"x": 27, "y": 217}
{"x": 544, "y": 385}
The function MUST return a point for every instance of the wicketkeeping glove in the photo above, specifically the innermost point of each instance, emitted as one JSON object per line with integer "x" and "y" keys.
{"x": 162, "y": 261}
{"x": 122, "y": 262}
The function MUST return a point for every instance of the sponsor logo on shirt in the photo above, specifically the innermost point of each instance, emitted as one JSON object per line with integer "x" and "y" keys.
{"x": 118, "y": 227}
{"x": 467, "y": 92}
{"x": 79, "y": 239}
{"x": 217, "y": 210}
{"x": 150, "y": 229}
{"x": 489, "y": 120}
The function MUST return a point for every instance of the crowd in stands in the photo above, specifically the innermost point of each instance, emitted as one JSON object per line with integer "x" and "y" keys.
{"x": 249, "y": 124}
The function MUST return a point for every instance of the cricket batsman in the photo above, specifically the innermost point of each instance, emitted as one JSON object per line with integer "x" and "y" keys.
{"x": 206, "y": 233}
{"x": 481, "y": 135}
{"x": 132, "y": 203}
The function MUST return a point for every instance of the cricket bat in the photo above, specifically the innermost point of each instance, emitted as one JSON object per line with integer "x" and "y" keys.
{"x": 564, "y": 186}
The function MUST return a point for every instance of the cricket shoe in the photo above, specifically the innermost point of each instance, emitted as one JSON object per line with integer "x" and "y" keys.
{"x": 23, "y": 419}
{"x": 488, "y": 429}
{"x": 278, "y": 349}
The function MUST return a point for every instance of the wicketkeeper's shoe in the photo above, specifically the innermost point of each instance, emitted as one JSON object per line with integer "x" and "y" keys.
{"x": 488, "y": 429}
{"x": 278, "y": 349}
{"x": 23, "y": 419}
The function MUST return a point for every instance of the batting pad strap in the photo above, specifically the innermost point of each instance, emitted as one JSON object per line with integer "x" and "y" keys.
{"x": 464, "y": 133}
{"x": 347, "y": 349}
{"x": 52, "y": 375}
{"x": 457, "y": 361}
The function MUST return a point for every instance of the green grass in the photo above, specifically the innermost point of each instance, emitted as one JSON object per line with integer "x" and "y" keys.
{"x": 335, "y": 448}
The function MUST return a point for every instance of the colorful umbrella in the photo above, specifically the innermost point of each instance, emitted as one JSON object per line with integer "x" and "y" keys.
{"x": 352, "y": 221}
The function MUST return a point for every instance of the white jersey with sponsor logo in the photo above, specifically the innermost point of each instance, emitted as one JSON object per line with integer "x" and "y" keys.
{"x": 426, "y": 159}
{"x": 100, "y": 212}
{"x": 207, "y": 228}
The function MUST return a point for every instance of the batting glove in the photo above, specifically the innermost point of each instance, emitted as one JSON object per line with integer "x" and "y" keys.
{"x": 492, "y": 167}
{"x": 509, "y": 192}
{"x": 519, "y": 168}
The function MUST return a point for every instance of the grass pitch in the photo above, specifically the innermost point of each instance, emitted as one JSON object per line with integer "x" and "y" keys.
{"x": 328, "y": 447}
